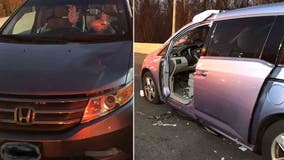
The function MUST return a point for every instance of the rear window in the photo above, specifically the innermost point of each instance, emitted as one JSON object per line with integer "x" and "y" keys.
{"x": 243, "y": 38}
{"x": 84, "y": 20}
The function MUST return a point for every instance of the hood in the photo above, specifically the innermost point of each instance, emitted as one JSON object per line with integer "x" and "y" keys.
{"x": 63, "y": 69}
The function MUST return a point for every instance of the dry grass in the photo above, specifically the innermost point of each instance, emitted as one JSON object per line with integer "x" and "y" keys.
{"x": 146, "y": 48}
{"x": 3, "y": 20}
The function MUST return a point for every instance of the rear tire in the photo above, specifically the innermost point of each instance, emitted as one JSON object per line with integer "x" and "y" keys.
{"x": 151, "y": 92}
{"x": 272, "y": 141}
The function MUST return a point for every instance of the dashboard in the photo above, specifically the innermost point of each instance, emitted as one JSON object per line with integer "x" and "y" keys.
{"x": 184, "y": 58}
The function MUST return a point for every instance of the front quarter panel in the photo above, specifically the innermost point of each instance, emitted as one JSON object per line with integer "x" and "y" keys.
{"x": 152, "y": 64}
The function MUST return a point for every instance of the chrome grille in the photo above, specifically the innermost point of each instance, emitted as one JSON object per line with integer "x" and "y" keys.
{"x": 48, "y": 115}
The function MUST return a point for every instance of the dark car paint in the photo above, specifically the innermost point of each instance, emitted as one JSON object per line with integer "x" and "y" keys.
{"x": 63, "y": 69}
{"x": 266, "y": 112}
{"x": 97, "y": 127}
{"x": 97, "y": 135}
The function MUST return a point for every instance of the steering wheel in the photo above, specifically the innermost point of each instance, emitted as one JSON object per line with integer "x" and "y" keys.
{"x": 189, "y": 54}
{"x": 193, "y": 56}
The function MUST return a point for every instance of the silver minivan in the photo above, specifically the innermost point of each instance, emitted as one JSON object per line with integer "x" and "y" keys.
{"x": 225, "y": 69}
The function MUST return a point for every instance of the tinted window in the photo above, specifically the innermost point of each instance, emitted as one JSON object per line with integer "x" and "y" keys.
{"x": 84, "y": 20}
{"x": 274, "y": 46}
{"x": 240, "y": 37}
{"x": 197, "y": 35}
{"x": 281, "y": 61}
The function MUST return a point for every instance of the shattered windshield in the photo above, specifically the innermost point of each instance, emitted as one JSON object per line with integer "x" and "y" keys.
{"x": 70, "y": 20}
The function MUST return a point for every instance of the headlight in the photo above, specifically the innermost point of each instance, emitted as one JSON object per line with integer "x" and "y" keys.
{"x": 103, "y": 105}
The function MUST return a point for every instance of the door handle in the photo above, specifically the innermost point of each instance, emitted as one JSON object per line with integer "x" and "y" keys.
{"x": 201, "y": 73}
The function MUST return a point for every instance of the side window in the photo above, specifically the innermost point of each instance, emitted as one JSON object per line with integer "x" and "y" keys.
{"x": 274, "y": 44}
{"x": 243, "y": 38}
{"x": 281, "y": 61}
{"x": 25, "y": 24}
{"x": 181, "y": 41}
{"x": 197, "y": 35}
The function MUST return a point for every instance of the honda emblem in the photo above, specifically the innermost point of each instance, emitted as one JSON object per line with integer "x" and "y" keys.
{"x": 24, "y": 115}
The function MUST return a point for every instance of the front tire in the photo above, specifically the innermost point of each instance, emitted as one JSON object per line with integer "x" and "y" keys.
{"x": 151, "y": 93}
{"x": 273, "y": 142}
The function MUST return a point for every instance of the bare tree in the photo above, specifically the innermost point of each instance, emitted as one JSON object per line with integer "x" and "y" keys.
{"x": 8, "y": 6}
{"x": 153, "y": 18}
{"x": 150, "y": 24}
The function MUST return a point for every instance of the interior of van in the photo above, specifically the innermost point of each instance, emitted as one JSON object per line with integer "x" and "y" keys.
{"x": 182, "y": 61}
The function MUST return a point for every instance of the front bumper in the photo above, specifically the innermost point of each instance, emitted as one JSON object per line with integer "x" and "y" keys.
{"x": 112, "y": 132}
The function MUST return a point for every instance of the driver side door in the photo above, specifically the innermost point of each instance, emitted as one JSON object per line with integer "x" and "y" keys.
{"x": 174, "y": 61}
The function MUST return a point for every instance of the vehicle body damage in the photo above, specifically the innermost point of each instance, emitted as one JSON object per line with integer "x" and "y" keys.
{"x": 225, "y": 70}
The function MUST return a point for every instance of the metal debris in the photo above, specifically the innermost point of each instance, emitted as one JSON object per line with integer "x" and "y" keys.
{"x": 242, "y": 148}
{"x": 160, "y": 123}
{"x": 142, "y": 93}
{"x": 163, "y": 116}
{"x": 145, "y": 115}
{"x": 141, "y": 113}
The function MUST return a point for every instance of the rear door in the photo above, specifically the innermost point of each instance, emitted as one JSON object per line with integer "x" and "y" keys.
{"x": 229, "y": 78}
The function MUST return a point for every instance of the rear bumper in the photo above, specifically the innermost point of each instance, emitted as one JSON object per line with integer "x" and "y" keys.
{"x": 112, "y": 132}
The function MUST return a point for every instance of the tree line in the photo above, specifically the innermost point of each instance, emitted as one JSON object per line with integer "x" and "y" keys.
{"x": 153, "y": 18}
{"x": 8, "y": 6}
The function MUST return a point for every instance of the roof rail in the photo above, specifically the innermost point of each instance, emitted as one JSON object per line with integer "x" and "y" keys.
{"x": 204, "y": 15}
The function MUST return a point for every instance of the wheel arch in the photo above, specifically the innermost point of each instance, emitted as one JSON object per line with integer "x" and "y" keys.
{"x": 156, "y": 80}
{"x": 144, "y": 70}
{"x": 267, "y": 111}
{"x": 265, "y": 123}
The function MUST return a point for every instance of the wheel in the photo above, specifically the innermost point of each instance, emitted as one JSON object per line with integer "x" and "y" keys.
{"x": 151, "y": 93}
{"x": 273, "y": 142}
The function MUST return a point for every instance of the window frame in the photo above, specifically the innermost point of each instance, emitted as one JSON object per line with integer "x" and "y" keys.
{"x": 184, "y": 31}
{"x": 217, "y": 23}
{"x": 164, "y": 50}
{"x": 12, "y": 16}
{"x": 279, "y": 60}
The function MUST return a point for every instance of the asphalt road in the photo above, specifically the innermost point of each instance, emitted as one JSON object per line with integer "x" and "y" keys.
{"x": 186, "y": 141}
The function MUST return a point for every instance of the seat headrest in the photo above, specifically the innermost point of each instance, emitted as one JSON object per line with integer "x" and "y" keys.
{"x": 60, "y": 11}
